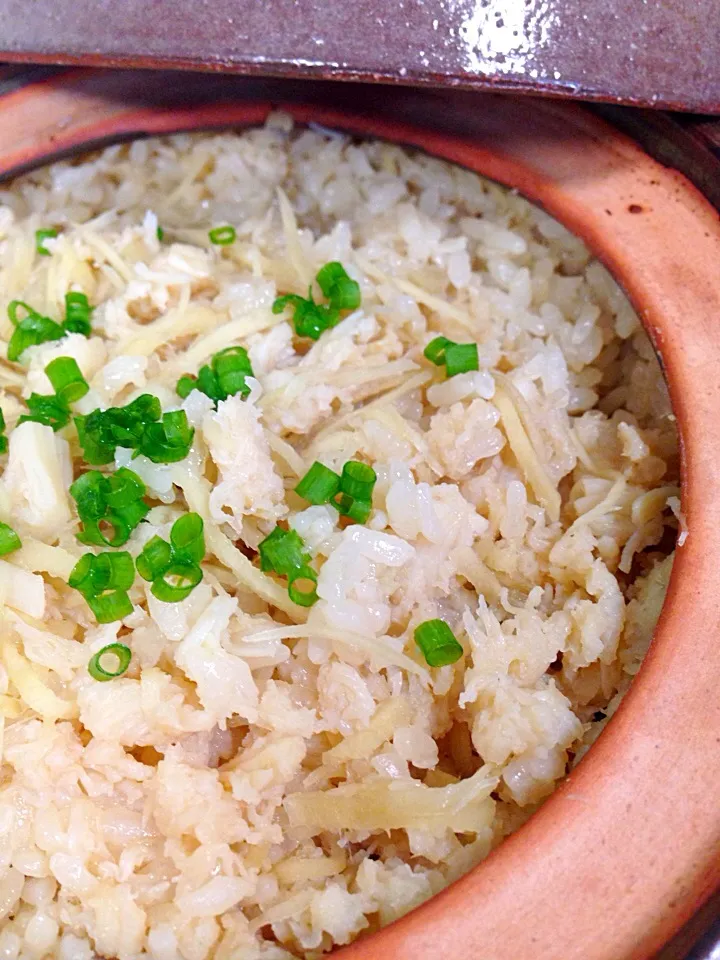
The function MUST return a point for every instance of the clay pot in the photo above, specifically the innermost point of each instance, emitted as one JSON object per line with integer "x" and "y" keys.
{"x": 627, "y": 848}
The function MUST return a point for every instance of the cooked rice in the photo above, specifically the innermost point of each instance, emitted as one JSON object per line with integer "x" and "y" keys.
{"x": 267, "y": 781}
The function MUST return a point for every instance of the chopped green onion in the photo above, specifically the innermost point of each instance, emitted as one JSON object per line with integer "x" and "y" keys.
{"x": 187, "y": 539}
{"x": 311, "y": 318}
{"x": 357, "y": 510}
{"x": 81, "y": 575}
{"x": 169, "y": 440}
{"x": 222, "y": 236}
{"x": 9, "y": 540}
{"x": 136, "y": 427}
{"x": 89, "y": 492}
{"x": 160, "y": 234}
{"x": 435, "y": 350}
{"x": 283, "y": 552}
{"x": 104, "y": 580}
{"x": 67, "y": 380}
{"x": 40, "y": 237}
{"x": 154, "y": 559}
{"x": 125, "y": 488}
{"x": 184, "y": 577}
{"x": 185, "y": 385}
{"x": 32, "y": 330}
{"x": 231, "y": 367}
{"x": 121, "y": 653}
{"x": 110, "y": 531}
{"x": 109, "y": 607}
{"x": 48, "y": 410}
{"x": 225, "y": 376}
{"x": 77, "y": 313}
{"x": 319, "y": 485}
{"x": 3, "y": 438}
{"x": 94, "y": 573}
{"x": 302, "y": 587}
{"x": 437, "y": 643}
{"x": 461, "y": 358}
{"x": 342, "y": 292}
{"x": 115, "y": 571}
{"x": 358, "y": 480}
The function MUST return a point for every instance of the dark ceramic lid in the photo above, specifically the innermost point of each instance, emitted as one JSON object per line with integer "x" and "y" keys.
{"x": 650, "y": 52}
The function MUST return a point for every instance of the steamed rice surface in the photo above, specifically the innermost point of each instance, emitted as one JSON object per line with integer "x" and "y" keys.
{"x": 268, "y": 781}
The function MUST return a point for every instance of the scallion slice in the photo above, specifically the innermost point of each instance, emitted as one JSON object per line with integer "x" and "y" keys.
{"x": 154, "y": 559}
{"x": 283, "y": 552}
{"x": 160, "y": 234}
{"x": 177, "y": 582}
{"x": 3, "y": 438}
{"x": 437, "y": 643}
{"x": 222, "y": 236}
{"x": 77, "y": 313}
{"x": 358, "y": 480}
{"x": 187, "y": 539}
{"x": 342, "y": 292}
{"x": 104, "y": 580}
{"x": 40, "y": 237}
{"x": 435, "y": 350}
{"x": 124, "y": 488}
{"x": 32, "y": 330}
{"x": 48, "y": 410}
{"x": 310, "y": 318}
{"x": 347, "y": 506}
{"x": 122, "y": 655}
{"x": 9, "y": 540}
{"x": 319, "y": 485}
{"x": 67, "y": 380}
{"x": 302, "y": 587}
{"x": 169, "y": 440}
{"x": 461, "y": 358}
{"x": 89, "y": 492}
{"x": 109, "y": 607}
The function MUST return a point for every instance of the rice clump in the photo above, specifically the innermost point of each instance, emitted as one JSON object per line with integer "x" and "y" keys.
{"x": 269, "y": 780}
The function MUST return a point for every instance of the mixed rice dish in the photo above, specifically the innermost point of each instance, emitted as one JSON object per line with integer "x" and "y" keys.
{"x": 338, "y": 489}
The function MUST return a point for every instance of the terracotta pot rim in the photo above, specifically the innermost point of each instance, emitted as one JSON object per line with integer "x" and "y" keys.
{"x": 627, "y": 208}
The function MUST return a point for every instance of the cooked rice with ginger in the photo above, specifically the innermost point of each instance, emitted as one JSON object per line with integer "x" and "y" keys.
{"x": 267, "y": 780}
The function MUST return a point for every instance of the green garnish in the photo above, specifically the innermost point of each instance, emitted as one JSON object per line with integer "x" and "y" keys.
{"x": 53, "y": 410}
{"x": 222, "y": 236}
{"x": 457, "y": 357}
{"x": 310, "y": 318}
{"x": 140, "y": 426}
{"x": 110, "y": 507}
{"x": 437, "y": 643}
{"x": 174, "y": 568}
{"x": 3, "y": 438}
{"x": 9, "y": 540}
{"x": 67, "y": 380}
{"x": 48, "y": 410}
{"x": 319, "y": 485}
{"x": 122, "y": 655}
{"x": 40, "y": 237}
{"x": 350, "y": 494}
{"x": 160, "y": 234}
{"x": 77, "y": 313}
{"x": 283, "y": 552}
{"x": 225, "y": 376}
{"x": 32, "y": 330}
{"x": 104, "y": 580}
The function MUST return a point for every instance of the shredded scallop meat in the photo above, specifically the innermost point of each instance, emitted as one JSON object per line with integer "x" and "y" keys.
{"x": 268, "y": 779}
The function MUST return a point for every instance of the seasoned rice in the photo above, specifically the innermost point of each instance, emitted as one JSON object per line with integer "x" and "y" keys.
{"x": 267, "y": 780}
